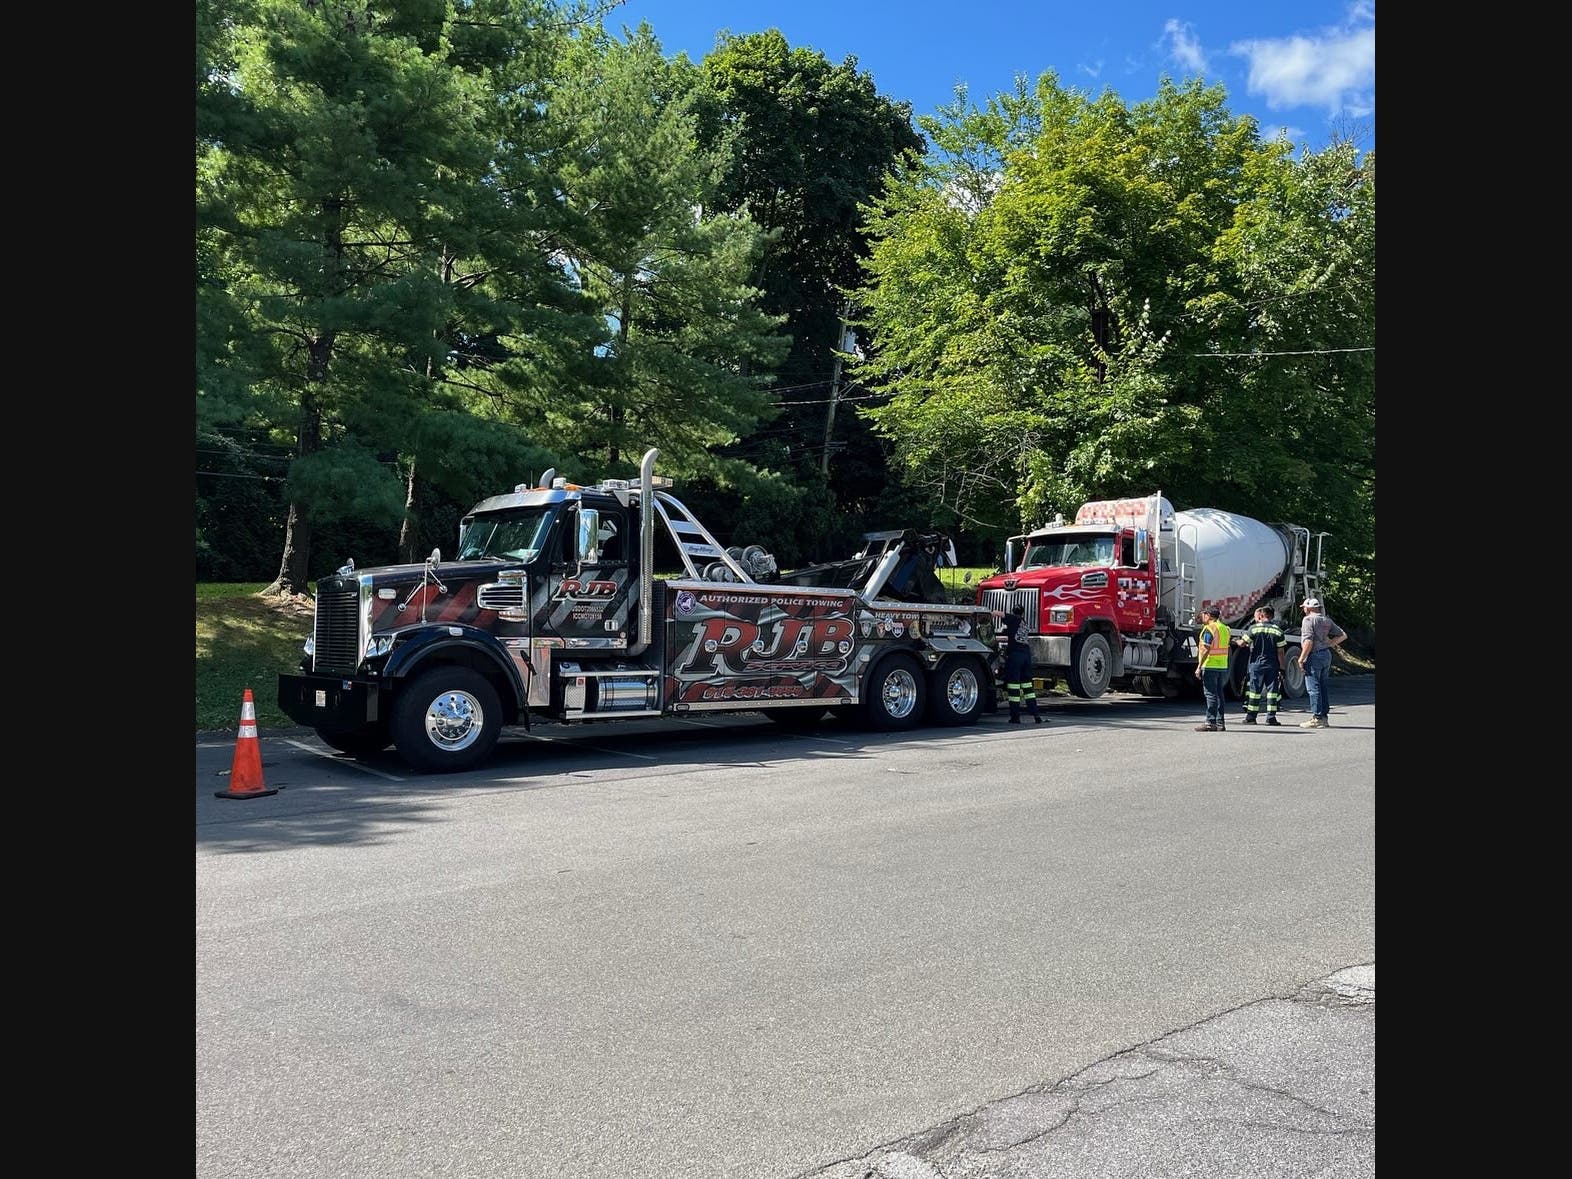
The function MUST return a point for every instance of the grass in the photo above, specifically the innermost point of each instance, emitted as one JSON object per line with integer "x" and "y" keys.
{"x": 244, "y": 641}
{"x": 955, "y": 583}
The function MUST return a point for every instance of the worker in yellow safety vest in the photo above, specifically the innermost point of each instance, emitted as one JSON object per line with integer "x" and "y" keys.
{"x": 1211, "y": 668}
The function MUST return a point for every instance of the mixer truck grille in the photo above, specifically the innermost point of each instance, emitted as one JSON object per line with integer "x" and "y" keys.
{"x": 1006, "y": 600}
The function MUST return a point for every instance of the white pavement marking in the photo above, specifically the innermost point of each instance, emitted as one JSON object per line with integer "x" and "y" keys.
{"x": 354, "y": 765}
{"x": 596, "y": 748}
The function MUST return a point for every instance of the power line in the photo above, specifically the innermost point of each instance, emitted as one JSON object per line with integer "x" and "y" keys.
{"x": 1307, "y": 352}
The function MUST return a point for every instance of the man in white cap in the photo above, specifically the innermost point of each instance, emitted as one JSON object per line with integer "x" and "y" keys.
{"x": 1318, "y": 634}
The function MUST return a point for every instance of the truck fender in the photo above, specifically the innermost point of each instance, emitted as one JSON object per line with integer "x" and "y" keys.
{"x": 484, "y": 650}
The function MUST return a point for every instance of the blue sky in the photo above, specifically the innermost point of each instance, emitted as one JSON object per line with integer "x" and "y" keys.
{"x": 1308, "y": 66}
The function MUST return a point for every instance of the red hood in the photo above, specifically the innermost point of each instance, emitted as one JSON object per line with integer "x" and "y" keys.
{"x": 1056, "y": 585}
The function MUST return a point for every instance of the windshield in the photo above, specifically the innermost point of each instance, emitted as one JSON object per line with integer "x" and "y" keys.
{"x": 1069, "y": 550}
{"x": 516, "y": 535}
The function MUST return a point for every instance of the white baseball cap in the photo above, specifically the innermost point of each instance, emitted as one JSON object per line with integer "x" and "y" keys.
{"x": 1311, "y": 603}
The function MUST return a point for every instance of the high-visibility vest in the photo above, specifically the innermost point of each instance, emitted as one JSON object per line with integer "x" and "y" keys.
{"x": 1219, "y": 653}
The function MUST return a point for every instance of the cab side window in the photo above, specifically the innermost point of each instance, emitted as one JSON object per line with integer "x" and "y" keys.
{"x": 611, "y": 546}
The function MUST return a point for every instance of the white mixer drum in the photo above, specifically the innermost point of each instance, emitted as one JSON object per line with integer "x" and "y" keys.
{"x": 1236, "y": 560}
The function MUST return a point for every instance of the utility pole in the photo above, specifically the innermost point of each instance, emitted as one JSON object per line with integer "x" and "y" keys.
{"x": 845, "y": 341}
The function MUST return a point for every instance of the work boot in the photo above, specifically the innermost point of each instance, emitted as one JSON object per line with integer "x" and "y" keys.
{"x": 1036, "y": 720}
{"x": 1015, "y": 720}
{"x": 1206, "y": 728}
{"x": 1249, "y": 718}
{"x": 1314, "y": 722}
{"x": 1272, "y": 720}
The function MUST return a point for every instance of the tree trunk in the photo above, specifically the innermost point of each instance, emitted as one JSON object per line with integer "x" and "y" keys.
{"x": 406, "y": 528}
{"x": 294, "y": 568}
{"x": 618, "y": 413}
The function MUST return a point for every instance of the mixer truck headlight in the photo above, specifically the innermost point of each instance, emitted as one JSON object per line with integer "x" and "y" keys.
{"x": 379, "y": 645}
{"x": 311, "y": 645}
{"x": 1061, "y": 615}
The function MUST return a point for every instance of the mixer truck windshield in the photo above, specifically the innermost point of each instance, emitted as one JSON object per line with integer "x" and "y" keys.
{"x": 1069, "y": 550}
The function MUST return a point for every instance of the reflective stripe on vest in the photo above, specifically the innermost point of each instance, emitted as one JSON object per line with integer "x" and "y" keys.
{"x": 1219, "y": 653}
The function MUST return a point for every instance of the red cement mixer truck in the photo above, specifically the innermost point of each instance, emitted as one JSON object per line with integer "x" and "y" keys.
{"x": 1111, "y": 600}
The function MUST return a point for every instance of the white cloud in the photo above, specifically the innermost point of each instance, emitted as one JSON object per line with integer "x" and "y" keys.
{"x": 1094, "y": 70}
{"x": 1334, "y": 68}
{"x": 1183, "y": 45}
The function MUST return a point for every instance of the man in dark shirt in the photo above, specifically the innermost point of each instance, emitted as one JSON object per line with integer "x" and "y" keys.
{"x": 1268, "y": 657}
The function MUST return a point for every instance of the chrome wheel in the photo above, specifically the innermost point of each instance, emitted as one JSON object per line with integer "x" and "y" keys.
{"x": 454, "y": 721}
{"x": 900, "y": 694}
{"x": 962, "y": 691}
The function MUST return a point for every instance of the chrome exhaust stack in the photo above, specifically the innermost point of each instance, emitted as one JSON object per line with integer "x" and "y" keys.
{"x": 646, "y": 552}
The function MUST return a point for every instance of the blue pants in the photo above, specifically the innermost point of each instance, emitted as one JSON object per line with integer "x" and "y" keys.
{"x": 1019, "y": 687}
{"x": 1318, "y": 673}
{"x": 1214, "y": 682}
{"x": 1265, "y": 684}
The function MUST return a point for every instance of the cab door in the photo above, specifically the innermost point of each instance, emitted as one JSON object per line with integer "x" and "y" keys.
{"x": 1135, "y": 599}
{"x": 594, "y": 590}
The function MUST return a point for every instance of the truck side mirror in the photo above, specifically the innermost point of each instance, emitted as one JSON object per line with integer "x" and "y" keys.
{"x": 1141, "y": 542}
{"x": 586, "y": 547}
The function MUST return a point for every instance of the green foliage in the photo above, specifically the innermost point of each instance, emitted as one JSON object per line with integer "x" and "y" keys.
{"x": 810, "y": 143}
{"x": 665, "y": 267}
{"x": 1075, "y": 300}
{"x": 370, "y": 212}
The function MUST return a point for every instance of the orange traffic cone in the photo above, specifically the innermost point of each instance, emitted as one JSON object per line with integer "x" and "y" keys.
{"x": 245, "y": 774}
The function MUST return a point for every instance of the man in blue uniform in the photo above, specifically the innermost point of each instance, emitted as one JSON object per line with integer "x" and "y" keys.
{"x": 1018, "y": 682}
{"x": 1268, "y": 657}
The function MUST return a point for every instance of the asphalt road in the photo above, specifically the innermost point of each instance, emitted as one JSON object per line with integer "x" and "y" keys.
{"x": 656, "y": 949}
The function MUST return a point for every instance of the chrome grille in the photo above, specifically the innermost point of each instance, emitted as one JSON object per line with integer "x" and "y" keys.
{"x": 497, "y": 596}
{"x": 338, "y": 641}
{"x": 1006, "y": 600}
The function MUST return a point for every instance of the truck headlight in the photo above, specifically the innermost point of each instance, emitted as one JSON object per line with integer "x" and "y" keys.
{"x": 379, "y": 645}
{"x": 311, "y": 645}
{"x": 1061, "y": 615}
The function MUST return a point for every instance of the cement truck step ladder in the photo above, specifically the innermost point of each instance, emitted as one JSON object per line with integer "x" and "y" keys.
{"x": 1186, "y": 575}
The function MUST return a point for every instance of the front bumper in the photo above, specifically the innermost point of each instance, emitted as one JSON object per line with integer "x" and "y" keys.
{"x": 328, "y": 702}
{"x": 1049, "y": 650}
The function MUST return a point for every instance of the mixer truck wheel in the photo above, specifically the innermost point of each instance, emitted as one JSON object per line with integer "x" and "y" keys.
{"x": 1294, "y": 677}
{"x": 1091, "y": 665}
{"x": 1238, "y": 673}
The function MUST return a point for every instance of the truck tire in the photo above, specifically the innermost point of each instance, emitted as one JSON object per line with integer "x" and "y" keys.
{"x": 358, "y": 742}
{"x": 894, "y": 696}
{"x": 956, "y": 692}
{"x": 1238, "y": 673}
{"x": 795, "y": 720}
{"x": 1091, "y": 665}
{"x": 1294, "y": 677}
{"x": 446, "y": 719}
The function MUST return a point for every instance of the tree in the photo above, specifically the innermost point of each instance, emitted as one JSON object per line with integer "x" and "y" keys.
{"x": 1073, "y": 300}
{"x": 354, "y": 226}
{"x": 665, "y": 267}
{"x": 812, "y": 143}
